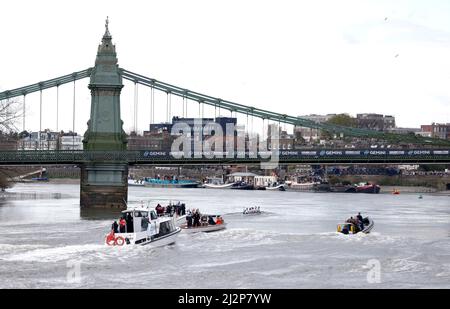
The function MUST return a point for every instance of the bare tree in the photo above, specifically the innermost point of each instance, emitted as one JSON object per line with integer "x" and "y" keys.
{"x": 10, "y": 112}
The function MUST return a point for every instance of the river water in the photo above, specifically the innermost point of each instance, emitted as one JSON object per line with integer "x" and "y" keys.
{"x": 46, "y": 242}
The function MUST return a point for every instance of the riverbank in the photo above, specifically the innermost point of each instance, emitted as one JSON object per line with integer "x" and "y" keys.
{"x": 408, "y": 189}
{"x": 416, "y": 183}
{"x": 64, "y": 181}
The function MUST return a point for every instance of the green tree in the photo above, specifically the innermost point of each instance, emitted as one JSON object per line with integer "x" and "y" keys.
{"x": 343, "y": 120}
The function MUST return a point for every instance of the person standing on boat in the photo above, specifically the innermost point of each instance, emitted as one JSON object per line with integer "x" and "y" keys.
{"x": 360, "y": 221}
{"x": 197, "y": 218}
{"x": 189, "y": 218}
{"x": 359, "y": 217}
{"x": 159, "y": 210}
{"x": 115, "y": 227}
{"x": 169, "y": 210}
{"x": 129, "y": 221}
{"x": 123, "y": 225}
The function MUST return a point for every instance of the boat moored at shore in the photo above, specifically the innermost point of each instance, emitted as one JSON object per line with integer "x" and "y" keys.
{"x": 367, "y": 188}
{"x": 172, "y": 183}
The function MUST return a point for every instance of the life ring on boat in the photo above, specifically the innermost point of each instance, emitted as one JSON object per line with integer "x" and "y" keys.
{"x": 110, "y": 239}
{"x": 119, "y": 241}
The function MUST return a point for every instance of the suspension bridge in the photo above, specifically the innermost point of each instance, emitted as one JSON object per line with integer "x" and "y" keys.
{"x": 105, "y": 158}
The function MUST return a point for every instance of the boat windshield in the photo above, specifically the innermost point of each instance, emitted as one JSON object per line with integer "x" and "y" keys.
{"x": 153, "y": 215}
{"x": 166, "y": 227}
{"x": 140, "y": 213}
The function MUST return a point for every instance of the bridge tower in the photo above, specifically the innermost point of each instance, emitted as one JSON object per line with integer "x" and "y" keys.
{"x": 104, "y": 184}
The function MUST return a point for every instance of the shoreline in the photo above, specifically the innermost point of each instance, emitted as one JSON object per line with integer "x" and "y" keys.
{"x": 384, "y": 189}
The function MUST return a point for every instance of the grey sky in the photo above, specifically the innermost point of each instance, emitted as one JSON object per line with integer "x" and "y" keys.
{"x": 295, "y": 57}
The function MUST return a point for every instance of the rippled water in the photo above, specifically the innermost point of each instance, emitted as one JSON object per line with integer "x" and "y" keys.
{"x": 292, "y": 245}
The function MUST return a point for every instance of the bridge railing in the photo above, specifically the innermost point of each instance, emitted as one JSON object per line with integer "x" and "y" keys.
{"x": 283, "y": 156}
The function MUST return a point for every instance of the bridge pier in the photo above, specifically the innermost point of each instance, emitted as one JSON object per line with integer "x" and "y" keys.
{"x": 104, "y": 185}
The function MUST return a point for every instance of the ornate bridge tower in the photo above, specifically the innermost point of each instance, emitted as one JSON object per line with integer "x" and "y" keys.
{"x": 104, "y": 184}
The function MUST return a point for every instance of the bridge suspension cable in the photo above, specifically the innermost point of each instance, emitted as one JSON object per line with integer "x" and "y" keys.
{"x": 73, "y": 114}
{"x": 8, "y": 94}
{"x": 23, "y": 116}
{"x": 57, "y": 108}
{"x": 268, "y": 115}
{"x": 242, "y": 109}
{"x": 212, "y": 101}
{"x": 40, "y": 118}
{"x": 135, "y": 110}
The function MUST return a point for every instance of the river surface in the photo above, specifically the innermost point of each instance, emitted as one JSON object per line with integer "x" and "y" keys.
{"x": 46, "y": 242}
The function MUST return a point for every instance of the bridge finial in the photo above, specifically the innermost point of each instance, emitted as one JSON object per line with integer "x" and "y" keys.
{"x": 107, "y": 34}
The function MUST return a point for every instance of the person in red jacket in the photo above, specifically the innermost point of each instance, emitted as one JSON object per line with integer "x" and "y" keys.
{"x": 123, "y": 225}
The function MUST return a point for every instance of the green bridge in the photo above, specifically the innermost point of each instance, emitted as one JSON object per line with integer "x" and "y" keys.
{"x": 105, "y": 159}
{"x": 306, "y": 156}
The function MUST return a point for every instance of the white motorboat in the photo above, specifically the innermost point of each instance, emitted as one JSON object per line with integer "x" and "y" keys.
{"x": 218, "y": 186}
{"x": 146, "y": 228}
{"x": 281, "y": 187}
{"x": 302, "y": 186}
{"x": 136, "y": 183}
{"x": 350, "y": 228}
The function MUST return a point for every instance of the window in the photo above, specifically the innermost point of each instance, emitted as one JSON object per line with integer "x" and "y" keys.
{"x": 165, "y": 228}
{"x": 153, "y": 215}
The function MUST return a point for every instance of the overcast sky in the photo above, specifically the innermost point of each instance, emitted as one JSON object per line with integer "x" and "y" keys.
{"x": 294, "y": 57}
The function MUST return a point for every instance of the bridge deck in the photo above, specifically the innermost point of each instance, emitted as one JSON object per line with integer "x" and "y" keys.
{"x": 326, "y": 156}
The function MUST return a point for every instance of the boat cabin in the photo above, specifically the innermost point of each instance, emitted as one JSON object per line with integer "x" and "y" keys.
{"x": 214, "y": 180}
{"x": 242, "y": 177}
{"x": 142, "y": 217}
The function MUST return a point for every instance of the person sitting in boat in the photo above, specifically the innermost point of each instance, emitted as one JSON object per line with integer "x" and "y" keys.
{"x": 115, "y": 227}
{"x": 350, "y": 220}
{"x": 211, "y": 220}
{"x": 219, "y": 220}
{"x": 204, "y": 220}
{"x": 123, "y": 225}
